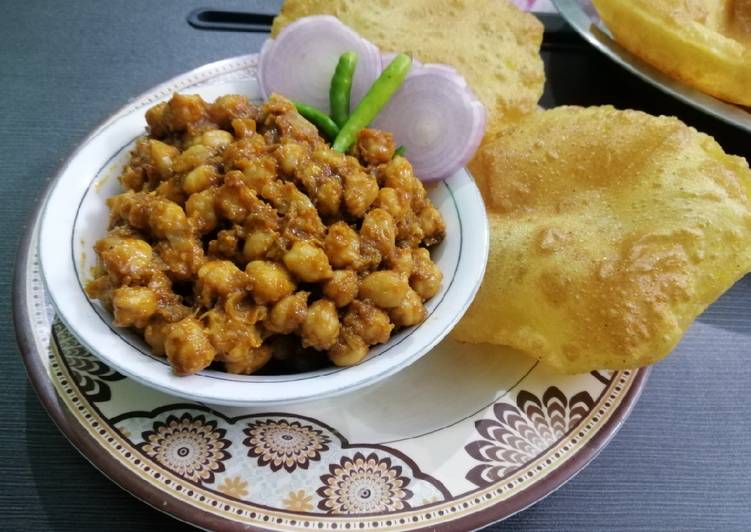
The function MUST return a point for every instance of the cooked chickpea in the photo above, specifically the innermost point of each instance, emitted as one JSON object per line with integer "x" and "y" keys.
{"x": 219, "y": 278}
{"x": 379, "y": 229}
{"x": 419, "y": 195}
{"x": 226, "y": 245}
{"x": 243, "y": 127}
{"x": 291, "y": 156}
{"x": 426, "y": 277}
{"x": 261, "y": 216}
{"x": 155, "y": 120}
{"x": 248, "y": 361}
{"x": 308, "y": 262}
{"x": 296, "y": 199}
{"x": 288, "y": 313}
{"x": 321, "y": 325}
{"x": 259, "y": 172}
{"x": 368, "y": 322}
{"x": 409, "y": 312}
{"x": 172, "y": 190}
{"x": 329, "y": 196}
{"x": 170, "y": 307}
{"x": 257, "y": 244}
{"x": 398, "y": 175}
{"x": 400, "y": 260}
{"x": 391, "y": 201}
{"x": 269, "y": 281}
{"x": 241, "y": 152}
{"x": 342, "y": 245}
{"x": 360, "y": 191}
{"x": 200, "y": 210}
{"x": 200, "y": 178}
{"x": 159, "y": 282}
{"x": 229, "y": 107}
{"x": 375, "y": 146}
{"x": 215, "y": 139}
{"x": 232, "y": 330}
{"x": 132, "y": 178}
{"x": 163, "y": 157}
{"x": 187, "y": 347}
{"x": 349, "y": 349}
{"x": 309, "y": 174}
{"x": 131, "y": 207}
{"x": 283, "y": 195}
{"x": 408, "y": 231}
{"x": 127, "y": 259}
{"x": 133, "y": 306}
{"x": 191, "y": 158}
{"x": 183, "y": 111}
{"x": 341, "y": 288}
{"x": 335, "y": 160}
{"x": 432, "y": 225}
{"x": 155, "y": 335}
{"x": 384, "y": 288}
{"x": 182, "y": 256}
{"x": 167, "y": 218}
{"x": 232, "y": 198}
{"x": 101, "y": 288}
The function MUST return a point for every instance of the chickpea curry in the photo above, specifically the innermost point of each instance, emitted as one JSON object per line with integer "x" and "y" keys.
{"x": 242, "y": 239}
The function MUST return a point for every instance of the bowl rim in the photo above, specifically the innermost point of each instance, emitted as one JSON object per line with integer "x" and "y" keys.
{"x": 49, "y": 263}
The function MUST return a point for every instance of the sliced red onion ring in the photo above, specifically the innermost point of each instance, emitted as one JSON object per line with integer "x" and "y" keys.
{"x": 299, "y": 63}
{"x": 437, "y": 118}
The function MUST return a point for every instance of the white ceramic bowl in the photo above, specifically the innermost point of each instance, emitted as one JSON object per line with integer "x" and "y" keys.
{"x": 76, "y": 216}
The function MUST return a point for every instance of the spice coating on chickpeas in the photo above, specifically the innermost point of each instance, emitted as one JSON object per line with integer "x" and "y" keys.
{"x": 240, "y": 229}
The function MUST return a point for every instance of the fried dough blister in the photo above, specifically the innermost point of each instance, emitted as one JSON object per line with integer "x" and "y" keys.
{"x": 611, "y": 231}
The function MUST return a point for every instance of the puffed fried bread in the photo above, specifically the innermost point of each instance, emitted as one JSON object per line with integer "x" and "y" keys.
{"x": 611, "y": 231}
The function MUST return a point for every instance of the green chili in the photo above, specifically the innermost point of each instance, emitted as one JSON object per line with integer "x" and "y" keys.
{"x": 401, "y": 150}
{"x": 341, "y": 87}
{"x": 320, "y": 119}
{"x": 372, "y": 103}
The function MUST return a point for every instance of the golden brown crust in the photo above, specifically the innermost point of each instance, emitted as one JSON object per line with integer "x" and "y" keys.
{"x": 610, "y": 232}
{"x": 706, "y": 45}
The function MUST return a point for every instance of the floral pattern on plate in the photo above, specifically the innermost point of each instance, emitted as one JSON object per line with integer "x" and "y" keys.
{"x": 517, "y": 434}
{"x": 91, "y": 375}
{"x": 258, "y": 459}
{"x": 300, "y": 464}
{"x": 192, "y": 447}
{"x": 364, "y": 484}
{"x": 278, "y": 443}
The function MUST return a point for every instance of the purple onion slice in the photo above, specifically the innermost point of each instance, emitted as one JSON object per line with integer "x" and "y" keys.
{"x": 437, "y": 118}
{"x": 299, "y": 63}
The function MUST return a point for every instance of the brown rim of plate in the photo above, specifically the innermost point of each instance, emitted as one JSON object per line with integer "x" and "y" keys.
{"x": 90, "y": 448}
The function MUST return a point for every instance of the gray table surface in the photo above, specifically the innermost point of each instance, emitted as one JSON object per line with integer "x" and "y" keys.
{"x": 681, "y": 461}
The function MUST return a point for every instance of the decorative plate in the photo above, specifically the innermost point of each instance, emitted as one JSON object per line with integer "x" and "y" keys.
{"x": 583, "y": 17}
{"x": 465, "y": 436}
{"x": 75, "y": 216}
